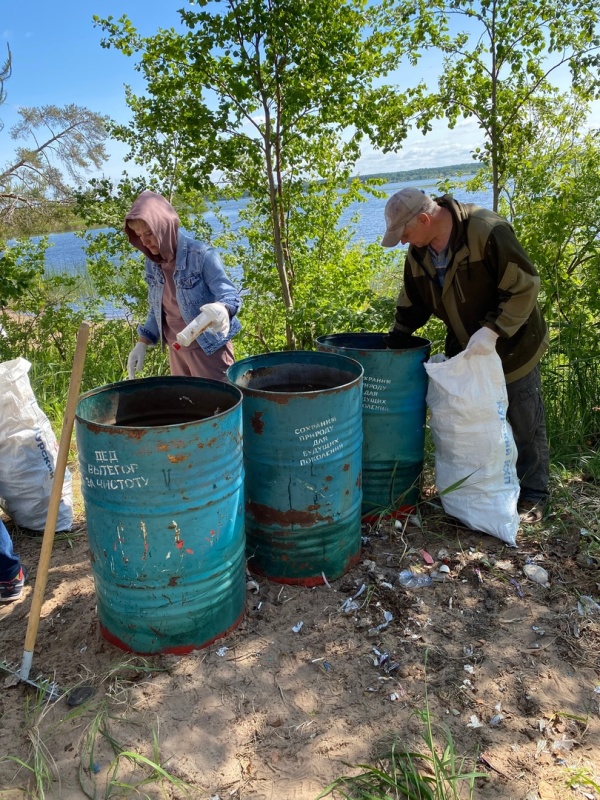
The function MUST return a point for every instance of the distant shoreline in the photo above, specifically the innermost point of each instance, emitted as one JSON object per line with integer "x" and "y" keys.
{"x": 401, "y": 176}
{"x": 422, "y": 173}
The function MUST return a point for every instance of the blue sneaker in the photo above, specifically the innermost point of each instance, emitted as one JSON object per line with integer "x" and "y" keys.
{"x": 12, "y": 590}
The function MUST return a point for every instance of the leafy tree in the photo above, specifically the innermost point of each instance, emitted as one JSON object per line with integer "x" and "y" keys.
{"x": 335, "y": 279}
{"x": 59, "y": 146}
{"x": 19, "y": 265}
{"x": 502, "y": 61}
{"x": 552, "y": 202}
{"x": 270, "y": 98}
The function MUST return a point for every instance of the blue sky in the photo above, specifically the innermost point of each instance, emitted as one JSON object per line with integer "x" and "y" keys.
{"x": 58, "y": 59}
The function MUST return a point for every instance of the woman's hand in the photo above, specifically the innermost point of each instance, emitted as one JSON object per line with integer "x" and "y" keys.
{"x": 219, "y": 317}
{"x": 135, "y": 362}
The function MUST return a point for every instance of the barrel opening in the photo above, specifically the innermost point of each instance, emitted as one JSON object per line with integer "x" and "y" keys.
{"x": 145, "y": 404}
{"x": 294, "y": 378}
{"x": 366, "y": 341}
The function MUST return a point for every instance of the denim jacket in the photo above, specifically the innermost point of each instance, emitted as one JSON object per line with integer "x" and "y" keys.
{"x": 199, "y": 278}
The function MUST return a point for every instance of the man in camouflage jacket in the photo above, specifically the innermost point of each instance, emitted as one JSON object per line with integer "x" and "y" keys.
{"x": 465, "y": 266}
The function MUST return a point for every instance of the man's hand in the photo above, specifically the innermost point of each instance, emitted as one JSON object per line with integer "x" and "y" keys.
{"x": 396, "y": 340}
{"x": 482, "y": 342}
{"x": 219, "y": 317}
{"x": 135, "y": 362}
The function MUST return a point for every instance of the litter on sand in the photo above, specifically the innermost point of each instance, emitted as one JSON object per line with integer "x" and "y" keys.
{"x": 474, "y": 722}
{"x": 587, "y": 606}
{"x": 536, "y": 574}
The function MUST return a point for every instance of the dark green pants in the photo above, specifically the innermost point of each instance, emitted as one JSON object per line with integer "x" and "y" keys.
{"x": 528, "y": 422}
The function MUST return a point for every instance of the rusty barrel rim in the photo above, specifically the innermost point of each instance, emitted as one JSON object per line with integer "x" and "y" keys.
{"x": 365, "y": 342}
{"x": 293, "y": 358}
{"x": 129, "y": 386}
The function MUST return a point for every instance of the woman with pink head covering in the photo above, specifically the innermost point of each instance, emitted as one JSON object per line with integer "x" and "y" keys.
{"x": 184, "y": 277}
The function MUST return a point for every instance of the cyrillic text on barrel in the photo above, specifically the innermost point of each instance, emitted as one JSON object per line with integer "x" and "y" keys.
{"x": 163, "y": 486}
{"x": 302, "y": 452}
{"x": 394, "y": 410}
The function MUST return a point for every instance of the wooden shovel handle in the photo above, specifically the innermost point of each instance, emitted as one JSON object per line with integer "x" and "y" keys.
{"x": 57, "y": 487}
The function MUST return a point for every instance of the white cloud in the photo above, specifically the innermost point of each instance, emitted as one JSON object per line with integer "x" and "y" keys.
{"x": 439, "y": 147}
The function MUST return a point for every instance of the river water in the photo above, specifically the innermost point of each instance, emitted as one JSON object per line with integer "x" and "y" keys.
{"x": 67, "y": 253}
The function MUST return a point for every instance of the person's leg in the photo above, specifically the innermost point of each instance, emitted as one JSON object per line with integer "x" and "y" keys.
{"x": 12, "y": 573}
{"x": 528, "y": 422}
{"x": 10, "y": 564}
{"x": 193, "y": 362}
{"x": 214, "y": 366}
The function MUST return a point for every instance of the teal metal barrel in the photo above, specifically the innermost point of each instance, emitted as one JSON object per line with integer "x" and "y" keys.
{"x": 302, "y": 456}
{"x": 162, "y": 479}
{"x": 394, "y": 409}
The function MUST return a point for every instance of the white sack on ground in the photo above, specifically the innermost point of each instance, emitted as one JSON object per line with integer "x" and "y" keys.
{"x": 473, "y": 443}
{"x": 28, "y": 451}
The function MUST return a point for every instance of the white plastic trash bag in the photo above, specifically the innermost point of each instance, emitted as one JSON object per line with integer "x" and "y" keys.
{"x": 474, "y": 445}
{"x": 28, "y": 451}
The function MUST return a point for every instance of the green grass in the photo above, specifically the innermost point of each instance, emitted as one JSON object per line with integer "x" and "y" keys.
{"x": 128, "y": 771}
{"x": 107, "y": 768}
{"x": 433, "y": 772}
{"x": 39, "y": 771}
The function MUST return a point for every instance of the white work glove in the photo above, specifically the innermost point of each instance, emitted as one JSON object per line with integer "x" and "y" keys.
{"x": 219, "y": 317}
{"x": 482, "y": 342}
{"x": 135, "y": 362}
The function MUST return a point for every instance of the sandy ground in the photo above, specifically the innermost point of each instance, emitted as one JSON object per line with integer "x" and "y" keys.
{"x": 268, "y": 713}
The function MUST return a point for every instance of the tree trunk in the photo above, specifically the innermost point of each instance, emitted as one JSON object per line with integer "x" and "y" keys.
{"x": 277, "y": 238}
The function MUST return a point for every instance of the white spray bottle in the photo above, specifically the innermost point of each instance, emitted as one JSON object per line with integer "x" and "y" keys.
{"x": 193, "y": 330}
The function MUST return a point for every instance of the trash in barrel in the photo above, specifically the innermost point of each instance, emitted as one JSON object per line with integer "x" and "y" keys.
{"x": 162, "y": 479}
{"x": 302, "y": 454}
{"x": 394, "y": 410}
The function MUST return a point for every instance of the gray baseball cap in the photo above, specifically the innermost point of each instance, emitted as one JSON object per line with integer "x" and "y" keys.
{"x": 399, "y": 210}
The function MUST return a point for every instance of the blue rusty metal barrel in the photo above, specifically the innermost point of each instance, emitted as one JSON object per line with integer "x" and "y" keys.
{"x": 395, "y": 385}
{"x": 162, "y": 479}
{"x": 302, "y": 455}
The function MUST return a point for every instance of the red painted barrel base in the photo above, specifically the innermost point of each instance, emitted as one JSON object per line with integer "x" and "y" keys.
{"x": 397, "y": 513}
{"x": 315, "y": 580}
{"x": 179, "y": 650}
